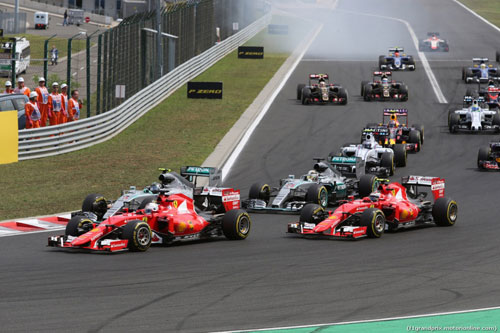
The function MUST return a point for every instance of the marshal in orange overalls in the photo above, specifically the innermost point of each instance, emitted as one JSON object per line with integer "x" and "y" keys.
{"x": 56, "y": 109}
{"x": 32, "y": 115}
{"x": 43, "y": 104}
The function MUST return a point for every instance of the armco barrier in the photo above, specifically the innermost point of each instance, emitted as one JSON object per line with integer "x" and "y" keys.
{"x": 60, "y": 139}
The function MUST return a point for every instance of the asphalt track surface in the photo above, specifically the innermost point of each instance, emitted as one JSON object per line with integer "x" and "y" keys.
{"x": 272, "y": 279}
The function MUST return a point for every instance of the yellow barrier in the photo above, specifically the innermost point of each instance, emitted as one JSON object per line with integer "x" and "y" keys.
{"x": 8, "y": 137}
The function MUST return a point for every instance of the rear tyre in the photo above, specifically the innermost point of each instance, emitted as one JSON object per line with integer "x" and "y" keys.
{"x": 400, "y": 155}
{"x": 387, "y": 162}
{"x": 342, "y": 94}
{"x": 468, "y": 73}
{"x": 496, "y": 119}
{"x": 306, "y": 95}
{"x": 482, "y": 155}
{"x": 138, "y": 234}
{"x": 497, "y": 56}
{"x": 453, "y": 122}
{"x": 236, "y": 224}
{"x": 414, "y": 137}
{"x": 317, "y": 194}
{"x": 260, "y": 191}
{"x": 367, "y": 184}
{"x": 78, "y": 225}
{"x": 311, "y": 213}
{"x": 411, "y": 62}
{"x": 403, "y": 91}
{"x": 95, "y": 203}
{"x": 444, "y": 212}
{"x": 464, "y": 70}
{"x": 374, "y": 221}
{"x": 420, "y": 128}
{"x": 299, "y": 91}
{"x": 368, "y": 93}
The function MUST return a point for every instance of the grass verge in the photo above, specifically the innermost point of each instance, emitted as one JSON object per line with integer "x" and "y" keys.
{"x": 489, "y": 9}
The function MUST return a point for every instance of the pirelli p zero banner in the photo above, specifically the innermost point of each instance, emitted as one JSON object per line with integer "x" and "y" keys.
{"x": 211, "y": 90}
{"x": 251, "y": 52}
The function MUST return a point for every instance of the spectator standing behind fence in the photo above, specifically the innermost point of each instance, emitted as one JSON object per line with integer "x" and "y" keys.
{"x": 21, "y": 89}
{"x": 32, "y": 112}
{"x": 56, "y": 106}
{"x": 43, "y": 101}
{"x": 74, "y": 106}
{"x": 8, "y": 88}
{"x": 65, "y": 21}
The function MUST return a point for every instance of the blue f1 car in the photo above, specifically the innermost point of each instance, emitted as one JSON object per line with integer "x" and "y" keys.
{"x": 396, "y": 60}
{"x": 481, "y": 71}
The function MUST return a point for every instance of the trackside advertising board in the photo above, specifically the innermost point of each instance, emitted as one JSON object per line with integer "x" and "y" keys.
{"x": 251, "y": 52}
{"x": 210, "y": 90}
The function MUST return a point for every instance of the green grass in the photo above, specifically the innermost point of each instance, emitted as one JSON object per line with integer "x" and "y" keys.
{"x": 489, "y": 9}
{"x": 177, "y": 132}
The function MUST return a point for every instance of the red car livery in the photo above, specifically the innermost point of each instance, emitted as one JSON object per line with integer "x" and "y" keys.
{"x": 392, "y": 206}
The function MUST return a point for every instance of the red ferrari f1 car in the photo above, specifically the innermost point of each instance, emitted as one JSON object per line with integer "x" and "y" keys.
{"x": 172, "y": 218}
{"x": 391, "y": 207}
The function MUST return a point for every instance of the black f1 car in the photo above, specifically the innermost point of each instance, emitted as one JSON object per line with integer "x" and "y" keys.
{"x": 383, "y": 88}
{"x": 488, "y": 158}
{"x": 394, "y": 129}
{"x": 321, "y": 91}
{"x": 433, "y": 43}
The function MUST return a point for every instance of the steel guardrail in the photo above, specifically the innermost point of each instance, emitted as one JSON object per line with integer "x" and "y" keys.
{"x": 65, "y": 138}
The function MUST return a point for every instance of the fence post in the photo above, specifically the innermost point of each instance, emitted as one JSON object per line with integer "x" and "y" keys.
{"x": 89, "y": 92}
{"x": 105, "y": 72}
{"x": 13, "y": 63}
{"x": 98, "y": 92}
{"x": 68, "y": 71}
{"x": 45, "y": 57}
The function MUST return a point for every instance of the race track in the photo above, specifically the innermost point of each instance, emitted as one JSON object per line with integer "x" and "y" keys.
{"x": 272, "y": 279}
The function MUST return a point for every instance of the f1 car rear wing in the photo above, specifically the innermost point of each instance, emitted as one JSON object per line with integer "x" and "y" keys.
{"x": 318, "y": 76}
{"x": 396, "y": 49}
{"x": 348, "y": 166}
{"x": 433, "y": 34}
{"x": 435, "y": 183}
{"x": 480, "y": 60}
{"x": 378, "y": 73}
{"x": 193, "y": 172}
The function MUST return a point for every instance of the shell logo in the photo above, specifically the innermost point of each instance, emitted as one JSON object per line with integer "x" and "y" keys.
{"x": 180, "y": 227}
{"x": 405, "y": 213}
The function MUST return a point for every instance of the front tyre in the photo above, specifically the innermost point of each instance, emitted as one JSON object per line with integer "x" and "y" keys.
{"x": 311, "y": 213}
{"x": 95, "y": 203}
{"x": 78, "y": 225}
{"x": 299, "y": 91}
{"x": 260, "y": 191}
{"x": 367, "y": 184}
{"x": 138, "y": 234}
{"x": 236, "y": 224}
{"x": 444, "y": 212}
{"x": 374, "y": 221}
{"x": 482, "y": 155}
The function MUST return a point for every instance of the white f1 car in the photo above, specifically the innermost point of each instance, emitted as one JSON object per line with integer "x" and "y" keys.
{"x": 474, "y": 116}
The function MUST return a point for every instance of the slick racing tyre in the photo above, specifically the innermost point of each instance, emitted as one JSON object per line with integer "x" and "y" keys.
{"x": 260, "y": 191}
{"x": 312, "y": 213}
{"x": 146, "y": 201}
{"x": 453, "y": 122}
{"x": 496, "y": 120}
{"x": 138, "y": 234}
{"x": 464, "y": 70}
{"x": 368, "y": 93}
{"x": 414, "y": 137}
{"x": 299, "y": 91}
{"x": 482, "y": 155}
{"x": 236, "y": 224}
{"x": 78, "y": 225}
{"x": 420, "y": 128}
{"x": 363, "y": 85}
{"x": 317, "y": 194}
{"x": 374, "y": 221}
{"x": 444, "y": 212}
{"x": 411, "y": 62}
{"x": 367, "y": 184}
{"x": 95, "y": 203}
{"x": 403, "y": 91}
{"x": 382, "y": 62}
{"x": 387, "y": 162}
{"x": 400, "y": 155}
{"x": 306, "y": 95}
{"x": 343, "y": 94}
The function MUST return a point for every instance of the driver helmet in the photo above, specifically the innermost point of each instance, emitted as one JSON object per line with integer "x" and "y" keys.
{"x": 151, "y": 207}
{"x": 374, "y": 196}
{"x": 313, "y": 175}
{"x": 322, "y": 84}
{"x": 155, "y": 188}
{"x": 483, "y": 66}
{"x": 385, "y": 80}
{"x": 475, "y": 105}
{"x": 396, "y": 54}
{"x": 491, "y": 84}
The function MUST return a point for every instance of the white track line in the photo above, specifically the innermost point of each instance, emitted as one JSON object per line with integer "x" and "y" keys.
{"x": 239, "y": 148}
{"x": 477, "y": 15}
{"x": 425, "y": 63}
{"x": 363, "y": 321}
